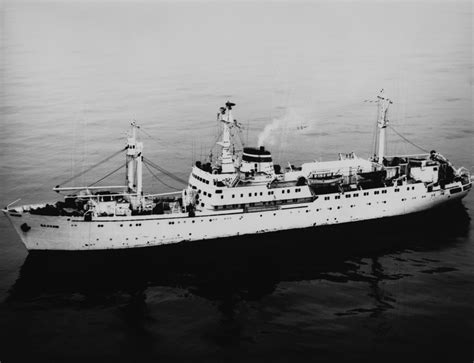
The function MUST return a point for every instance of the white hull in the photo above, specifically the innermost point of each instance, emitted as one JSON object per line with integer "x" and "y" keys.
{"x": 74, "y": 234}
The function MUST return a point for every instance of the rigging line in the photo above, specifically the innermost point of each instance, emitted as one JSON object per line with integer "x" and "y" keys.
{"x": 164, "y": 171}
{"x": 106, "y": 176}
{"x": 410, "y": 142}
{"x": 171, "y": 176}
{"x": 93, "y": 166}
{"x": 157, "y": 178}
{"x": 140, "y": 128}
{"x": 157, "y": 140}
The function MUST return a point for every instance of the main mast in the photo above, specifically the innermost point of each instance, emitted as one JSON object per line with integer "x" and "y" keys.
{"x": 382, "y": 123}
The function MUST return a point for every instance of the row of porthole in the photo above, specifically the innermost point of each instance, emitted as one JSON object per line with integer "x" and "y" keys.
{"x": 210, "y": 220}
{"x": 255, "y": 194}
{"x": 202, "y": 180}
{"x": 269, "y": 203}
{"x": 121, "y": 225}
{"x": 49, "y": 226}
{"x": 352, "y": 206}
{"x": 193, "y": 221}
{"x": 110, "y": 239}
{"x": 355, "y": 195}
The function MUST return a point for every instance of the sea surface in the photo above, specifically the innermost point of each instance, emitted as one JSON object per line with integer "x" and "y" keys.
{"x": 73, "y": 75}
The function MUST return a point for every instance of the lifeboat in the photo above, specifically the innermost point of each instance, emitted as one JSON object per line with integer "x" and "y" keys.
{"x": 324, "y": 179}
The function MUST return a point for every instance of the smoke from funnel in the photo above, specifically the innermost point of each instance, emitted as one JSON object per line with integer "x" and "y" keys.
{"x": 273, "y": 132}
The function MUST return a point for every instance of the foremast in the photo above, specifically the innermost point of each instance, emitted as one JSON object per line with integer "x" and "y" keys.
{"x": 134, "y": 162}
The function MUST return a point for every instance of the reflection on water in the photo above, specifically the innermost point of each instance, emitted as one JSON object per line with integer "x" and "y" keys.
{"x": 327, "y": 291}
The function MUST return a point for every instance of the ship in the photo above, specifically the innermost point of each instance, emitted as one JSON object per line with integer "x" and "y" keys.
{"x": 240, "y": 193}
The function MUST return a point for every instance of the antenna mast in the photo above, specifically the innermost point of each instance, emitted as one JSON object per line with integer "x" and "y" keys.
{"x": 225, "y": 116}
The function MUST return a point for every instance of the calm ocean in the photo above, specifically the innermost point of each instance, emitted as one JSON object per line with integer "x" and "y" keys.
{"x": 74, "y": 75}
